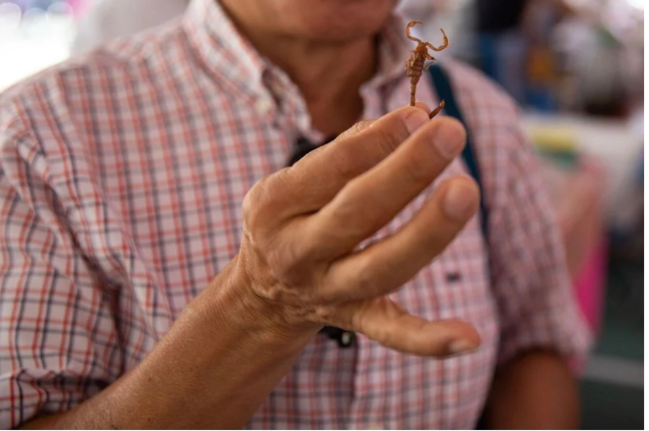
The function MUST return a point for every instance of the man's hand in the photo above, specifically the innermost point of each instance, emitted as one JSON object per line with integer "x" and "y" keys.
{"x": 303, "y": 226}
{"x": 299, "y": 267}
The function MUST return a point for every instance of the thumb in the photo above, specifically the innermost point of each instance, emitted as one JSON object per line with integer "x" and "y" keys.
{"x": 383, "y": 321}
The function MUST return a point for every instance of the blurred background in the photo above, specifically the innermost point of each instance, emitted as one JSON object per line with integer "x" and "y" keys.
{"x": 577, "y": 69}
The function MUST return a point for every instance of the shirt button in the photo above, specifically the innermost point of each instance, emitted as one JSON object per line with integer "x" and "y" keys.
{"x": 347, "y": 339}
{"x": 263, "y": 106}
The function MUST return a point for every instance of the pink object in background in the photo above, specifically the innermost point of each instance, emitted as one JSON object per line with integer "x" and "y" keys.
{"x": 577, "y": 194}
{"x": 78, "y": 6}
{"x": 590, "y": 286}
{"x": 581, "y": 218}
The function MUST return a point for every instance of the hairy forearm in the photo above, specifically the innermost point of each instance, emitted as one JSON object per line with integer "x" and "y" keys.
{"x": 213, "y": 369}
{"x": 534, "y": 391}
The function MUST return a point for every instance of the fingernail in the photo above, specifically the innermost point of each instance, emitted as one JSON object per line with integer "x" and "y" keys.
{"x": 460, "y": 201}
{"x": 449, "y": 139}
{"x": 415, "y": 119}
{"x": 461, "y": 346}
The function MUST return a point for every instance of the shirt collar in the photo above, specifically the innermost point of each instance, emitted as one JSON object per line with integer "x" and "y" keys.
{"x": 224, "y": 50}
{"x": 394, "y": 49}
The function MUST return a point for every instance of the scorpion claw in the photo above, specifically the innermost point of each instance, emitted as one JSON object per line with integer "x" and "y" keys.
{"x": 446, "y": 43}
{"x": 443, "y": 46}
{"x": 411, "y": 24}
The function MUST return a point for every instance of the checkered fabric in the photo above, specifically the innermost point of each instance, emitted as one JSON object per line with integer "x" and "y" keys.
{"x": 122, "y": 175}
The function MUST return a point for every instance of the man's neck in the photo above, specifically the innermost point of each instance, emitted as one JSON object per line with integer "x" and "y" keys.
{"x": 329, "y": 75}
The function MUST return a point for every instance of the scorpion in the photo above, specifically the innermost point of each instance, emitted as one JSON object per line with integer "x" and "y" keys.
{"x": 415, "y": 63}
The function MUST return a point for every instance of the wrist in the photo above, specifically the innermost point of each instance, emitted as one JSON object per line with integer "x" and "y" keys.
{"x": 230, "y": 302}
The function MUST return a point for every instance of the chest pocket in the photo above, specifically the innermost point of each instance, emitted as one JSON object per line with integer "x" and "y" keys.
{"x": 456, "y": 283}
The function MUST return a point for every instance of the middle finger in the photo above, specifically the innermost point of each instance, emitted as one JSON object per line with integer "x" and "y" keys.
{"x": 370, "y": 201}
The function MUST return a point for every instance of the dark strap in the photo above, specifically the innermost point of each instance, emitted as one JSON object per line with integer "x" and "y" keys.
{"x": 445, "y": 92}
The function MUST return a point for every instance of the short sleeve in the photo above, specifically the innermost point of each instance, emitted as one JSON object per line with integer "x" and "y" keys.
{"x": 529, "y": 276}
{"x": 58, "y": 338}
{"x": 537, "y": 307}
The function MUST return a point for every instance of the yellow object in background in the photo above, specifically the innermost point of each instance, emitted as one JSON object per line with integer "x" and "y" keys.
{"x": 556, "y": 143}
{"x": 554, "y": 139}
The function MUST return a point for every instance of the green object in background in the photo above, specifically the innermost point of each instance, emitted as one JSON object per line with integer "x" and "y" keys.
{"x": 606, "y": 38}
{"x": 606, "y": 406}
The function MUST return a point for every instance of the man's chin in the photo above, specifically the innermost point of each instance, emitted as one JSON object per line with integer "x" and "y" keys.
{"x": 338, "y": 20}
{"x": 341, "y": 29}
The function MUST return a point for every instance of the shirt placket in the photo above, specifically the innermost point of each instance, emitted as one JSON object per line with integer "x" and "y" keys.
{"x": 363, "y": 411}
{"x": 290, "y": 114}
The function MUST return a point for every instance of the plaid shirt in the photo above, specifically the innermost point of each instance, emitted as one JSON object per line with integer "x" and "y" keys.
{"x": 122, "y": 175}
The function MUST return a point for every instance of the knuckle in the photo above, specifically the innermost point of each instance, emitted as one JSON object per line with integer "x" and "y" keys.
{"x": 357, "y": 128}
{"x": 259, "y": 202}
{"x": 361, "y": 152}
{"x": 390, "y": 135}
{"x": 366, "y": 283}
{"x": 252, "y": 202}
{"x": 345, "y": 164}
{"x": 248, "y": 205}
{"x": 351, "y": 219}
{"x": 420, "y": 168}
{"x": 340, "y": 207}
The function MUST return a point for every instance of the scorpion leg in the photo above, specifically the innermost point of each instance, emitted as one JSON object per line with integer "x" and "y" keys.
{"x": 443, "y": 46}
{"x": 437, "y": 110}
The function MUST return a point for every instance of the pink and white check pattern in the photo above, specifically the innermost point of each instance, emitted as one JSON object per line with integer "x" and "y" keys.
{"x": 121, "y": 179}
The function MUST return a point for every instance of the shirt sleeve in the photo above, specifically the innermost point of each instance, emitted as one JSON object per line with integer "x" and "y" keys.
{"x": 58, "y": 338}
{"x": 537, "y": 307}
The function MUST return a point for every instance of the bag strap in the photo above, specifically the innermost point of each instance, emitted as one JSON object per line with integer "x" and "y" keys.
{"x": 444, "y": 90}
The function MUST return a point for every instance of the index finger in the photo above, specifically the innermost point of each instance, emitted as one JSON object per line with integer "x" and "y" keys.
{"x": 316, "y": 179}
{"x": 365, "y": 124}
